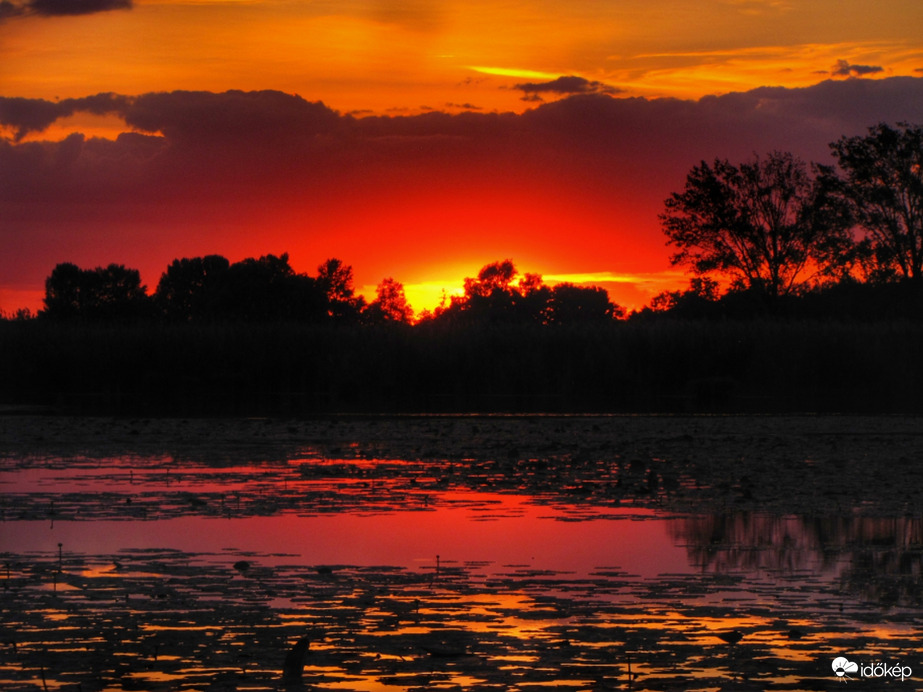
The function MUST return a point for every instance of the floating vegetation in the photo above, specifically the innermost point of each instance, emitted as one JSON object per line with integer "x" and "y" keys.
{"x": 160, "y": 619}
{"x": 785, "y": 566}
{"x": 142, "y": 468}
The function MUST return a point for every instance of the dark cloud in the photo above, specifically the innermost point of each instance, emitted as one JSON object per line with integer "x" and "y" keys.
{"x": 49, "y": 8}
{"x": 59, "y": 8}
{"x": 9, "y": 9}
{"x": 264, "y": 118}
{"x": 564, "y": 86}
{"x": 281, "y": 126}
{"x": 34, "y": 115}
{"x": 844, "y": 69}
{"x": 28, "y": 115}
{"x": 207, "y": 171}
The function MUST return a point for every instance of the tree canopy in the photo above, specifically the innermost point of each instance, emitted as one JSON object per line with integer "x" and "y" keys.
{"x": 211, "y": 289}
{"x": 496, "y": 296}
{"x": 103, "y": 293}
{"x": 883, "y": 182}
{"x": 767, "y": 223}
{"x": 390, "y": 304}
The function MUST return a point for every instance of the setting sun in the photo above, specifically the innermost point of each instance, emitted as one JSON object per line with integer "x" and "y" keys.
{"x": 411, "y": 344}
{"x": 402, "y": 137}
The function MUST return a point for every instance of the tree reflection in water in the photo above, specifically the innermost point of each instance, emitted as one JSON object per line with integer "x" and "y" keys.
{"x": 878, "y": 559}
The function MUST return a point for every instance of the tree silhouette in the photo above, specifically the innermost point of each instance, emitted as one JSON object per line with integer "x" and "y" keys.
{"x": 264, "y": 289}
{"x": 570, "y": 303}
{"x": 65, "y": 291}
{"x": 493, "y": 278}
{"x": 884, "y": 183}
{"x": 269, "y": 289}
{"x": 390, "y": 305}
{"x": 766, "y": 223}
{"x": 495, "y": 296}
{"x": 104, "y": 293}
{"x": 490, "y": 297}
{"x": 257, "y": 287}
{"x": 118, "y": 292}
{"x": 534, "y": 303}
{"x": 193, "y": 289}
{"x": 701, "y": 295}
{"x": 335, "y": 279}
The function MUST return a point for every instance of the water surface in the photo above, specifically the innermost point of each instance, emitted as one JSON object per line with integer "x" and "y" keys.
{"x": 477, "y": 564}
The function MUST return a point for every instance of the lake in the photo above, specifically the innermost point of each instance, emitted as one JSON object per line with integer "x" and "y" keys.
{"x": 461, "y": 552}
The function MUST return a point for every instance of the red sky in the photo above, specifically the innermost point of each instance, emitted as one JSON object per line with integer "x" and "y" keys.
{"x": 425, "y": 140}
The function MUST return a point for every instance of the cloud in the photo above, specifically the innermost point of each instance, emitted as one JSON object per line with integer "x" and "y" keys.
{"x": 237, "y": 127}
{"x": 255, "y": 118}
{"x": 580, "y": 179}
{"x": 28, "y": 115}
{"x": 59, "y": 8}
{"x": 845, "y": 69}
{"x": 34, "y": 115}
{"x": 565, "y": 86}
{"x": 760, "y": 7}
{"x": 9, "y": 9}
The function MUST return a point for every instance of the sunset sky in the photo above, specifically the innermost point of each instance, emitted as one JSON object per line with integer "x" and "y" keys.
{"x": 414, "y": 139}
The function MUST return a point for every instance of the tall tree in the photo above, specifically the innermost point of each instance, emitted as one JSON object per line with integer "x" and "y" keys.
{"x": 336, "y": 281}
{"x": 767, "y": 223}
{"x": 65, "y": 291}
{"x": 390, "y": 304}
{"x": 884, "y": 183}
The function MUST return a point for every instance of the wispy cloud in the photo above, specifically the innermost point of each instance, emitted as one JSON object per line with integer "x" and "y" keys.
{"x": 735, "y": 69}
{"x": 760, "y": 7}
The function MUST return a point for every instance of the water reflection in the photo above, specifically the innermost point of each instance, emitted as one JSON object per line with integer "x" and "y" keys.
{"x": 167, "y": 619}
{"x": 879, "y": 559}
{"x": 480, "y": 592}
{"x": 479, "y": 560}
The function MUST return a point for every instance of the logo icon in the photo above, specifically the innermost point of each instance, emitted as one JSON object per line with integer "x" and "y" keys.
{"x": 842, "y": 666}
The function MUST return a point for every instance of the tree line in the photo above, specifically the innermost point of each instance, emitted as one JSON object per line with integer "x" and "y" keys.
{"x": 267, "y": 289}
{"x": 782, "y": 234}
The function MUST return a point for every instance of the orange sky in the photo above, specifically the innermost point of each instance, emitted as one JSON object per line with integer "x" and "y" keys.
{"x": 570, "y": 125}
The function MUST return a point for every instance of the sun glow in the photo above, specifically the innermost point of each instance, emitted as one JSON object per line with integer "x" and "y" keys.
{"x": 466, "y": 159}
{"x": 631, "y": 291}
